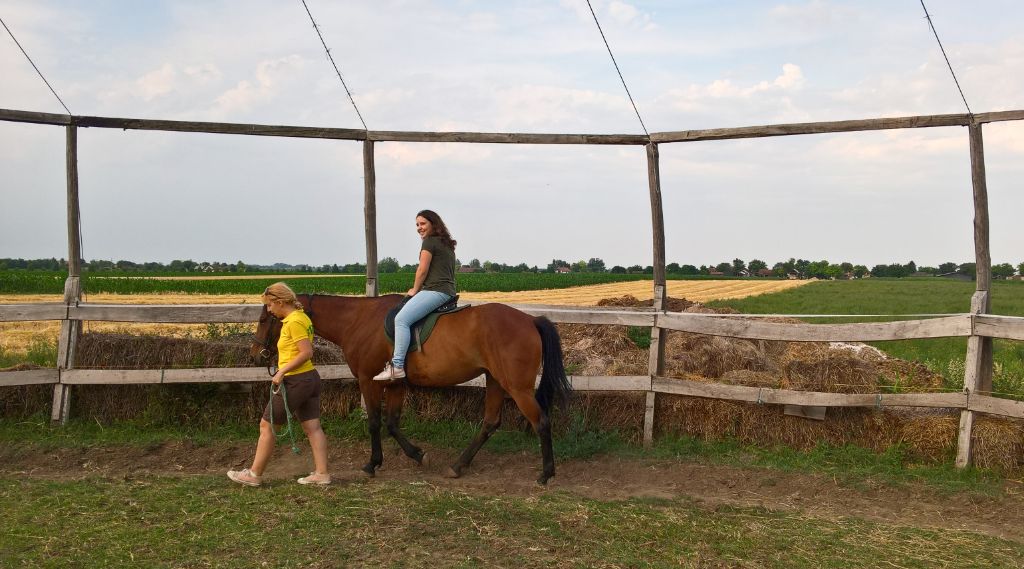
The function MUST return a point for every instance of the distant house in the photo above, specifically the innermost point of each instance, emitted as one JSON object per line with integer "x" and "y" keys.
{"x": 765, "y": 272}
{"x": 957, "y": 276}
{"x": 715, "y": 273}
{"x": 466, "y": 269}
{"x": 793, "y": 275}
{"x": 743, "y": 273}
{"x": 563, "y": 270}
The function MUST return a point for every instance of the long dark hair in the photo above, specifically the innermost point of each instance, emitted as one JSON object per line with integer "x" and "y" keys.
{"x": 440, "y": 229}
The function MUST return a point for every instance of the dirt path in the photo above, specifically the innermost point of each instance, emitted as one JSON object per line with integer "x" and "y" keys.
{"x": 602, "y": 478}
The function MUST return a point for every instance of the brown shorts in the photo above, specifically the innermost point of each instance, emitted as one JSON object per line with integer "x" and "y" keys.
{"x": 303, "y": 393}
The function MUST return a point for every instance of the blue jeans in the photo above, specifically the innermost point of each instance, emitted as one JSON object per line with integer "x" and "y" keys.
{"x": 422, "y": 303}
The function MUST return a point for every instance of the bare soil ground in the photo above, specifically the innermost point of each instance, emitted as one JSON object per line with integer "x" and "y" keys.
{"x": 601, "y": 478}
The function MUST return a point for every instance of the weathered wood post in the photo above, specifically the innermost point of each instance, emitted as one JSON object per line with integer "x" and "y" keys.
{"x": 70, "y": 330}
{"x": 656, "y": 363}
{"x": 978, "y": 366}
{"x": 370, "y": 218}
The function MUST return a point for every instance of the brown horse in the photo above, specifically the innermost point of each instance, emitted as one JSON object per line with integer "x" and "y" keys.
{"x": 504, "y": 344}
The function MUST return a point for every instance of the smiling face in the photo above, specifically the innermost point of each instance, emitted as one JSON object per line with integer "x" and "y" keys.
{"x": 424, "y": 227}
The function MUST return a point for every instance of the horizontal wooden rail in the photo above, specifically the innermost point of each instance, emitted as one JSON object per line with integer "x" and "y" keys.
{"x": 195, "y": 375}
{"x": 996, "y": 406}
{"x": 992, "y": 326}
{"x": 164, "y": 313}
{"x": 759, "y": 131}
{"x": 32, "y": 312}
{"x": 29, "y": 377}
{"x": 862, "y": 332}
{"x": 806, "y": 398}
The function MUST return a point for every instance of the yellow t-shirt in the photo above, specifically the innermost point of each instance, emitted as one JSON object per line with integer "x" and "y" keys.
{"x": 296, "y": 326}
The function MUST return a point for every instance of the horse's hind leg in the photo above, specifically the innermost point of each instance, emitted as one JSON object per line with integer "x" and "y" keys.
{"x": 527, "y": 402}
{"x": 492, "y": 420}
{"x": 394, "y": 397}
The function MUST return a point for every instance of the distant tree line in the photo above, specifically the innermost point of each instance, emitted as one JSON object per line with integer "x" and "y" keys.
{"x": 792, "y": 268}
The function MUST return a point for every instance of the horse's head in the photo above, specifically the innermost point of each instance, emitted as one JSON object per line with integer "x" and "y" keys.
{"x": 264, "y": 345}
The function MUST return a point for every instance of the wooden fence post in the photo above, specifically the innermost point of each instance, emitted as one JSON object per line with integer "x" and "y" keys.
{"x": 978, "y": 365}
{"x": 370, "y": 218}
{"x": 656, "y": 362}
{"x": 70, "y": 330}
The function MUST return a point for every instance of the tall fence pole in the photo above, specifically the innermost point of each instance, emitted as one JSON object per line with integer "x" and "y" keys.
{"x": 978, "y": 365}
{"x": 70, "y": 330}
{"x": 656, "y": 362}
{"x": 370, "y": 218}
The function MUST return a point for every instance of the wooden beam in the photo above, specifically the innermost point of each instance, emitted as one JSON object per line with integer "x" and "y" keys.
{"x": 223, "y": 128}
{"x": 996, "y": 406}
{"x": 32, "y": 312}
{"x": 973, "y": 377}
{"x": 70, "y": 330}
{"x": 506, "y": 137}
{"x": 806, "y": 398}
{"x": 29, "y": 377}
{"x": 179, "y": 313}
{"x": 992, "y": 326}
{"x": 948, "y": 326}
{"x": 578, "y": 316}
{"x": 370, "y": 217}
{"x": 196, "y": 375}
{"x": 11, "y": 115}
{"x": 982, "y": 248}
{"x": 812, "y": 128}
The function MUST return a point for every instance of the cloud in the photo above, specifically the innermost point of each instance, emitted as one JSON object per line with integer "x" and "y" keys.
{"x": 156, "y": 83}
{"x": 269, "y": 77}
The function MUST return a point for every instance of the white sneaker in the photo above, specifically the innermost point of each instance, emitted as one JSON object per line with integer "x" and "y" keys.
{"x": 316, "y": 479}
{"x": 245, "y": 476}
{"x": 390, "y": 373}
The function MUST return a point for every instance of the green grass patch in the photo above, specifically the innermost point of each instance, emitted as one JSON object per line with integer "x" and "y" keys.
{"x": 42, "y": 351}
{"x": 206, "y": 521}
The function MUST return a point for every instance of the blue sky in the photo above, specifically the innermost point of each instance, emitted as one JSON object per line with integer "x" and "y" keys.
{"x": 876, "y": 197}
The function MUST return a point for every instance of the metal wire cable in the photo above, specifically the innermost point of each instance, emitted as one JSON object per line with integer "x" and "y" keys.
{"x": 34, "y": 65}
{"x": 642, "y": 125}
{"x": 335, "y": 65}
{"x": 943, "y": 50}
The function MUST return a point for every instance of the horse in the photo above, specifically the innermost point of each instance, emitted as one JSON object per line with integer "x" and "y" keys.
{"x": 506, "y": 345}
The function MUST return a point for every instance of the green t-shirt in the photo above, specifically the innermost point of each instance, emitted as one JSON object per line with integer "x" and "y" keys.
{"x": 441, "y": 274}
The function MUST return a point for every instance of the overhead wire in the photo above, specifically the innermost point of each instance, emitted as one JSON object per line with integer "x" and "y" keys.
{"x": 34, "y": 66}
{"x": 335, "y": 65}
{"x": 617, "y": 70}
{"x": 943, "y": 50}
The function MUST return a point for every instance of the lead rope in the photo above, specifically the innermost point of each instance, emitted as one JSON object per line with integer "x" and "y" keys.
{"x": 280, "y": 389}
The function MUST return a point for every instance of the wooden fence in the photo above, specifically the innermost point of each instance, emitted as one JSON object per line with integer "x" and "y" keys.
{"x": 979, "y": 326}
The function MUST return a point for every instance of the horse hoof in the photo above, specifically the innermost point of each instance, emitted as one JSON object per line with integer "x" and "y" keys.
{"x": 451, "y": 473}
{"x": 370, "y": 470}
{"x": 422, "y": 460}
{"x": 543, "y": 480}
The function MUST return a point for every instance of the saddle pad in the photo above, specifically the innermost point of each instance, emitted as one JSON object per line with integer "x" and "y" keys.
{"x": 422, "y": 329}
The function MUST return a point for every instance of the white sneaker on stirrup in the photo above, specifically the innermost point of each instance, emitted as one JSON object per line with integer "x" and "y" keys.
{"x": 390, "y": 373}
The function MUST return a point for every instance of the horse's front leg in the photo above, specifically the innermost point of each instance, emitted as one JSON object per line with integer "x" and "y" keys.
{"x": 394, "y": 397}
{"x": 372, "y": 395}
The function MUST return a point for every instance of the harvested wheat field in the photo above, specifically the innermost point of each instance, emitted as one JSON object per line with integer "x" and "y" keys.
{"x": 16, "y": 337}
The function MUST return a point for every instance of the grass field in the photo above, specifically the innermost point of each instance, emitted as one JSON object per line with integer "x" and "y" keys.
{"x": 908, "y": 296}
{"x": 47, "y": 282}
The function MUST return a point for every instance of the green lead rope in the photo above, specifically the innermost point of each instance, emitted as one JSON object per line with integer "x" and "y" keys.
{"x": 276, "y": 389}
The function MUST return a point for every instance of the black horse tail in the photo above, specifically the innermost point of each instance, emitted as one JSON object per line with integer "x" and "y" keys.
{"x": 554, "y": 385}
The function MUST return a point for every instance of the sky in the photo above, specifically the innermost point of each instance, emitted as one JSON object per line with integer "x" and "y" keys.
{"x": 519, "y": 66}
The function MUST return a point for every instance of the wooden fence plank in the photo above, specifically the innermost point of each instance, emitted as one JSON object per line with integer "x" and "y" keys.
{"x": 181, "y": 313}
{"x": 29, "y": 377}
{"x": 505, "y": 137}
{"x": 997, "y": 406}
{"x": 863, "y": 332}
{"x": 992, "y": 326}
{"x": 110, "y": 376}
{"x": 619, "y": 318}
{"x": 30, "y": 312}
{"x": 806, "y": 398}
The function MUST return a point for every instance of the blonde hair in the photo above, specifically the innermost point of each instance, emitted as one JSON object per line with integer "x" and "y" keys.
{"x": 283, "y": 293}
